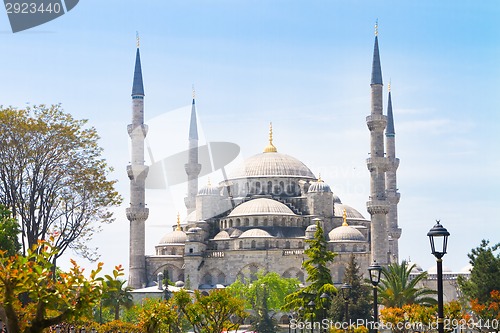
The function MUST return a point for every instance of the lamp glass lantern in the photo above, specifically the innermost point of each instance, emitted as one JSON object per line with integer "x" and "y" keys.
{"x": 375, "y": 270}
{"x": 346, "y": 291}
{"x": 438, "y": 237}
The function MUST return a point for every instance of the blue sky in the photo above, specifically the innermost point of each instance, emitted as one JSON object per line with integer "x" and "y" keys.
{"x": 305, "y": 67}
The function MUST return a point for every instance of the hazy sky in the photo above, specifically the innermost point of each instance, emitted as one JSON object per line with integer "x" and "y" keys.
{"x": 306, "y": 67}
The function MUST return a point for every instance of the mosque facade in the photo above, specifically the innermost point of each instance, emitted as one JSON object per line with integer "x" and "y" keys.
{"x": 259, "y": 218}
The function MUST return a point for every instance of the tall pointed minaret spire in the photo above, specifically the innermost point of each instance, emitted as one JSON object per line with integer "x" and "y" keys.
{"x": 137, "y": 172}
{"x": 391, "y": 183}
{"x": 377, "y": 205}
{"x": 192, "y": 167}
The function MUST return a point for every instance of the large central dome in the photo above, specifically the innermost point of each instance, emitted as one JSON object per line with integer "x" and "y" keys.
{"x": 272, "y": 164}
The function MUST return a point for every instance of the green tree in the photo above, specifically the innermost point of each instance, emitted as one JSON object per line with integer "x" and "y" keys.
{"x": 360, "y": 300}
{"x": 116, "y": 294}
{"x": 56, "y": 180}
{"x": 216, "y": 312}
{"x": 262, "y": 320}
{"x": 319, "y": 279}
{"x": 277, "y": 288}
{"x": 397, "y": 289}
{"x": 485, "y": 273}
{"x": 9, "y": 231}
{"x": 49, "y": 301}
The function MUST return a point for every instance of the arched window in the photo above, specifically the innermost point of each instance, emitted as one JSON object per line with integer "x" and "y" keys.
{"x": 253, "y": 244}
{"x": 265, "y": 223}
{"x": 257, "y": 188}
{"x": 269, "y": 187}
{"x": 277, "y": 244}
{"x": 221, "y": 278}
{"x": 301, "y": 245}
{"x": 255, "y": 222}
{"x": 247, "y": 222}
{"x": 238, "y": 222}
{"x": 287, "y": 244}
{"x": 241, "y": 244}
{"x": 266, "y": 244}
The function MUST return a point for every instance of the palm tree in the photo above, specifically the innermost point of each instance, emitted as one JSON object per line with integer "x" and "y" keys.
{"x": 396, "y": 288}
{"x": 116, "y": 296}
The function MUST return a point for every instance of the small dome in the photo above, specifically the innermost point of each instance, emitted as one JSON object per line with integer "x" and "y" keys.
{"x": 352, "y": 214}
{"x": 261, "y": 206}
{"x": 175, "y": 237}
{"x": 209, "y": 190}
{"x": 253, "y": 233}
{"x": 312, "y": 228}
{"x": 319, "y": 186}
{"x": 179, "y": 284}
{"x": 222, "y": 235}
{"x": 191, "y": 217}
{"x": 416, "y": 270}
{"x": 433, "y": 270}
{"x": 345, "y": 233}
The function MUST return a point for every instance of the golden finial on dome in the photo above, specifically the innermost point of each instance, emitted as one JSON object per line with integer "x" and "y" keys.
{"x": 344, "y": 216}
{"x": 319, "y": 178}
{"x": 376, "y": 27}
{"x": 270, "y": 148}
{"x": 209, "y": 184}
{"x": 178, "y": 222}
{"x": 137, "y": 39}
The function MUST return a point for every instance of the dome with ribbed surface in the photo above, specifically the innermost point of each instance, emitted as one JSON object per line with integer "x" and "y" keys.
{"x": 272, "y": 164}
{"x": 345, "y": 233}
{"x": 319, "y": 186}
{"x": 209, "y": 190}
{"x": 222, "y": 235}
{"x": 261, "y": 206}
{"x": 351, "y": 212}
{"x": 252, "y": 233}
{"x": 175, "y": 237}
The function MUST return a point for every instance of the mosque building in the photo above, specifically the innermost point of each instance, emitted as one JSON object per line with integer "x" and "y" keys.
{"x": 259, "y": 218}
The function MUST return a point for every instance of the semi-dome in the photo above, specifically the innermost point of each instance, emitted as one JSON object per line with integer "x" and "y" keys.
{"x": 253, "y": 233}
{"x": 345, "y": 233}
{"x": 261, "y": 206}
{"x": 175, "y": 237}
{"x": 222, "y": 235}
{"x": 319, "y": 186}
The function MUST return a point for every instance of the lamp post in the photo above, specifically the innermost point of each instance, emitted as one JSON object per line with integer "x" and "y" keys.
{"x": 312, "y": 307}
{"x": 346, "y": 293}
{"x": 325, "y": 301}
{"x": 438, "y": 237}
{"x": 375, "y": 270}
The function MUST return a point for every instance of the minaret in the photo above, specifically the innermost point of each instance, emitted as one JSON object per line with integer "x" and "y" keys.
{"x": 137, "y": 213}
{"x": 192, "y": 167}
{"x": 391, "y": 184}
{"x": 377, "y": 205}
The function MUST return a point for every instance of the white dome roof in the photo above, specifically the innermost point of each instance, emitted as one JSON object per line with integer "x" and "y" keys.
{"x": 222, "y": 235}
{"x": 433, "y": 270}
{"x": 253, "y": 233}
{"x": 312, "y": 228}
{"x": 352, "y": 214}
{"x": 345, "y": 233}
{"x": 272, "y": 164}
{"x": 209, "y": 190}
{"x": 319, "y": 186}
{"x": 174, "y": 237}
{"x": 261, "y": 206}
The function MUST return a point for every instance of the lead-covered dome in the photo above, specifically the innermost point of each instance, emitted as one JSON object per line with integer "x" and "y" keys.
{"x": 261, "y": 206}
{"x": 175, "y": 237}
{"x": 319, "y": 186}
{"x": 272, "y": 164}
{"x": 253, "y": 233}
{"x": 345, "y": 233}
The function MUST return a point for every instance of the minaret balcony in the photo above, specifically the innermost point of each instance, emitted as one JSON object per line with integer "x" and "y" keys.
{"x": 376, "y": 121}
{"x": 377, "y": 207}
{"x": 137, "y": 213}
{"x": 380, "y": 163}
{"x": 137, "y": 172}
{"x": 140, "y": 130}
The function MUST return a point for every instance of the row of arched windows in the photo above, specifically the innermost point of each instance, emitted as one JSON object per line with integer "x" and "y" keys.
{"x": 263, "y": 222}
{"x": 290, "y": 188}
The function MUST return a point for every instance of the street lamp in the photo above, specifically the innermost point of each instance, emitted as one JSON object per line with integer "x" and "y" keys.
{"x": 346, "y": 293}
{"x": 375, "y": 270}
{"x": 325, "y": 300}
{"x": 312, "y": 307}
{"x": 438, "y": 237}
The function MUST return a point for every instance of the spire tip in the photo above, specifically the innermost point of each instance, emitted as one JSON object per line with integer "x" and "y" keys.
{"x": 137, "y": 39}
{"x": 376, "y": 27}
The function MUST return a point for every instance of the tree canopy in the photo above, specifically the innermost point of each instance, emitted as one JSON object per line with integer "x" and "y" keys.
{"x": 55, "y": 181}
{"x": 397, "y": 289}
{"x": 9, "y": 231}
{"x": 319, "y": 278}
{"x": 485, "y": 273}
{"x": 32, "y": 298}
